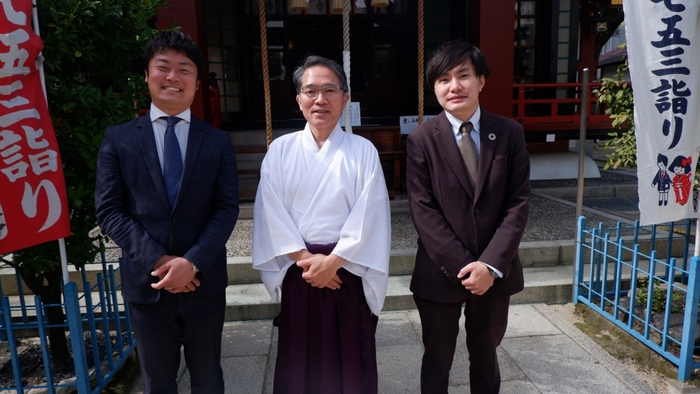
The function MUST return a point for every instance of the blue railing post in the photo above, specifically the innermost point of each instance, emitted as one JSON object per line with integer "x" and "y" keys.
{"x": 82, "y": 376}
{"x": 669, "y": 251}
{"x": 604, "y": 273}
{"x": 651, "y": 282}
{"x": 593, "y": 263}
{"x": 3, "y": 328}
{"x": 618, "y": 276}
{"x": 7, "y": 315}
{"x": 115, "y": 311}
{"x": 41, "y": 326}
{"x": 20, "y": 293}
{"x": 689, "y": 321}
{"x": 104, "y": 311}
{"x": 90, "y": 317}
{"x": 669, "y": 302}
{"x": 633, "y": 286}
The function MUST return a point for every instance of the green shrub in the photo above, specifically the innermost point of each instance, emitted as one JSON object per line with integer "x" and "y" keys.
{"x": 618, "y": 100}
{"x": 94, "y": 78}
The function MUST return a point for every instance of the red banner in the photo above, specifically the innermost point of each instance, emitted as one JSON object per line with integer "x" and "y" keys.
{"x": 33, "y": 205}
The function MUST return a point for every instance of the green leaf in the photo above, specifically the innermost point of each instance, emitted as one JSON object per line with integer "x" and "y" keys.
{"x": 91, "y": 49}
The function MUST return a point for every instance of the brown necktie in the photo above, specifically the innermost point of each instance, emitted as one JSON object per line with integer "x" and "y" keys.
{"x": 467, "y": 148}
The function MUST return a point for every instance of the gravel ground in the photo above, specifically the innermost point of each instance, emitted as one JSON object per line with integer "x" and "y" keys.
{"x": 610, "y": 177}
{"x": 549, "y": 220}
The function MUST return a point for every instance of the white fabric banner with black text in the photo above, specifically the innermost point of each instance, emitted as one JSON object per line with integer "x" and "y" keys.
{"x": 663, "y": 46}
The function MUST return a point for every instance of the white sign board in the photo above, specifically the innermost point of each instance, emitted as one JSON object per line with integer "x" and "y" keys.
{"x": 408, "y": 123}
{"x": 355, "y": 119}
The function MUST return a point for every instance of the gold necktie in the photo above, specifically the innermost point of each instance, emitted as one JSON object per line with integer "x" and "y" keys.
{"x": 467, "y": 148}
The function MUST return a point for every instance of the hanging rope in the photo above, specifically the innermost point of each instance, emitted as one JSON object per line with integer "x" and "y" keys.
{"x": 266, "y": 72}
{"x": 421, "y": 56}
{"x": 346, "y": 61}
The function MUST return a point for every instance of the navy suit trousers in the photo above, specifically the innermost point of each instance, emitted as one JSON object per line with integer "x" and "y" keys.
{"x": 175, "y": 321}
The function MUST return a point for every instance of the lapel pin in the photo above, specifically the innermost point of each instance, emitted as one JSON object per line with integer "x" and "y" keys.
{"x": 492, "y": 136}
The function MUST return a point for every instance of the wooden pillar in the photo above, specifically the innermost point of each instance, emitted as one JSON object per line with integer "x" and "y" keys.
{"x": 586, "y": 53}
{"x": 189, "y": 15}
{"x": 493, "y": 34}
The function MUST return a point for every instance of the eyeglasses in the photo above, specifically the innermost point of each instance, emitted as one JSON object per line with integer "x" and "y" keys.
{"x": 329, "y": 91}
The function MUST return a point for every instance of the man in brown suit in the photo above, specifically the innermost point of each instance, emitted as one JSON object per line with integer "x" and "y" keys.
{"x": 468, "y": 184}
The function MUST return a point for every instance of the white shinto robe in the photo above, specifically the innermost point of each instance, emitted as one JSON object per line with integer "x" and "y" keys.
{"x": 335, "y": 194}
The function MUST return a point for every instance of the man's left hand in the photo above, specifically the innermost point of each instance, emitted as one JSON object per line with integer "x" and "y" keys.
{"x": 476, "y": 278}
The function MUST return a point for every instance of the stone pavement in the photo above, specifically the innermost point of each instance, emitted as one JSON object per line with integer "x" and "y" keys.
{"x": 542, "y": 352}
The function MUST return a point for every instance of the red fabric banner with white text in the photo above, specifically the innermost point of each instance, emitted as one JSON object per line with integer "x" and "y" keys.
{"x": 33, "y": 204}
{"x": 663, "y": 46}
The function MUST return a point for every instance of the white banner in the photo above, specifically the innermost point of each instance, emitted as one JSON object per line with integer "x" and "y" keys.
{"x": 663, "y": 46}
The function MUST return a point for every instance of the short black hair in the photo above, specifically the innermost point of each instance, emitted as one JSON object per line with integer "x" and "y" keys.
{"x": 662, "y": 159}
{"x": 177, "y": 41}
{"x": 452, "y": 54}
{"x": 314, "y": 60}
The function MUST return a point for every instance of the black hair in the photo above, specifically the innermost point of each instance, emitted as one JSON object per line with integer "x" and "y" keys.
{"x": 314, "y": 60}
{"x": 452, "y": 54}
{"x": 662, "y": 159}
{"x": 683, "y": 162}
{"x": 178, "y": 42}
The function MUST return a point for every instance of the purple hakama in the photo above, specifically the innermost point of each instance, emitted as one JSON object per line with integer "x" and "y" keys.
{"x": 326, "y": 337}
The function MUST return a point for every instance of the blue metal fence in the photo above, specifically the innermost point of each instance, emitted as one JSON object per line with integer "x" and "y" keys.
{"x": 625, "y": 272}
{"x": 96, "y": 308}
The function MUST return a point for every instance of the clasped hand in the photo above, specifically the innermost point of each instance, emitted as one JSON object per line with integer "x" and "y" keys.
{"x": 476, "y": 278}
{"x": 176, "y": 275}
{"x": 321, "y": 270}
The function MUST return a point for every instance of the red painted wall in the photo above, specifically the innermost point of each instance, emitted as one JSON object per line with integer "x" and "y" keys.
{"x": 491, "y": 29}
{"x": 587, "y": 52}
{"x": 189, "y": 16}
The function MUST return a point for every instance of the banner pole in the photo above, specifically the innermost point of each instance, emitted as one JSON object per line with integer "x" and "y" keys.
{"x": 64, "y": 259}
{"x": 40, "y": 67}
{"x": 40, "y": 59}
{"x": 582, "y": 142}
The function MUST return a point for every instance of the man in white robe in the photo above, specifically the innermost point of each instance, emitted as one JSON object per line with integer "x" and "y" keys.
{"x": 322, "y": 235}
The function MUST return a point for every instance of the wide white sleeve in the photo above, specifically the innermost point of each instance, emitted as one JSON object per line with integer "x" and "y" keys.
{"x": 274, "y": 232}
{"x": 365, "y": 238}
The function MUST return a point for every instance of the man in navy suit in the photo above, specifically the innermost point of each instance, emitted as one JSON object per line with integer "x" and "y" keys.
{"x": 468, "y": 187}
{"x": 167, "y": 194}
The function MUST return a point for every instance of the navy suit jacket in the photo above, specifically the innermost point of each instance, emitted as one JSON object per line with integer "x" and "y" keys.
{"x": 133, "y": 210}
{"x": 458, "y": 224}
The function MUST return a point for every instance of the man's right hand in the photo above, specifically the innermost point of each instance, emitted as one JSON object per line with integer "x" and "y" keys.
{"x": 162, "y": 269}
{"x": 304, "y": 260}
{"x": 321, "y": 271}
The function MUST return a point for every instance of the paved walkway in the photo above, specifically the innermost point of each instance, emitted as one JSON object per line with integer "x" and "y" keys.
{"x": 542, "y": 352}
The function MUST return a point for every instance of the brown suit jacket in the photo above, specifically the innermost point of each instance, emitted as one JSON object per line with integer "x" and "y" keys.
{"x": 458, "y": 225}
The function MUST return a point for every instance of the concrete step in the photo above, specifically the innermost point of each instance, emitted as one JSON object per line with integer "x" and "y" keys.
{"x": 591, "y": 191}
{"x": 540, "y": 254}
{"x": 532, "y": 254}
{"x": 550, "y": 285}
{"x": 240, "y": 269}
